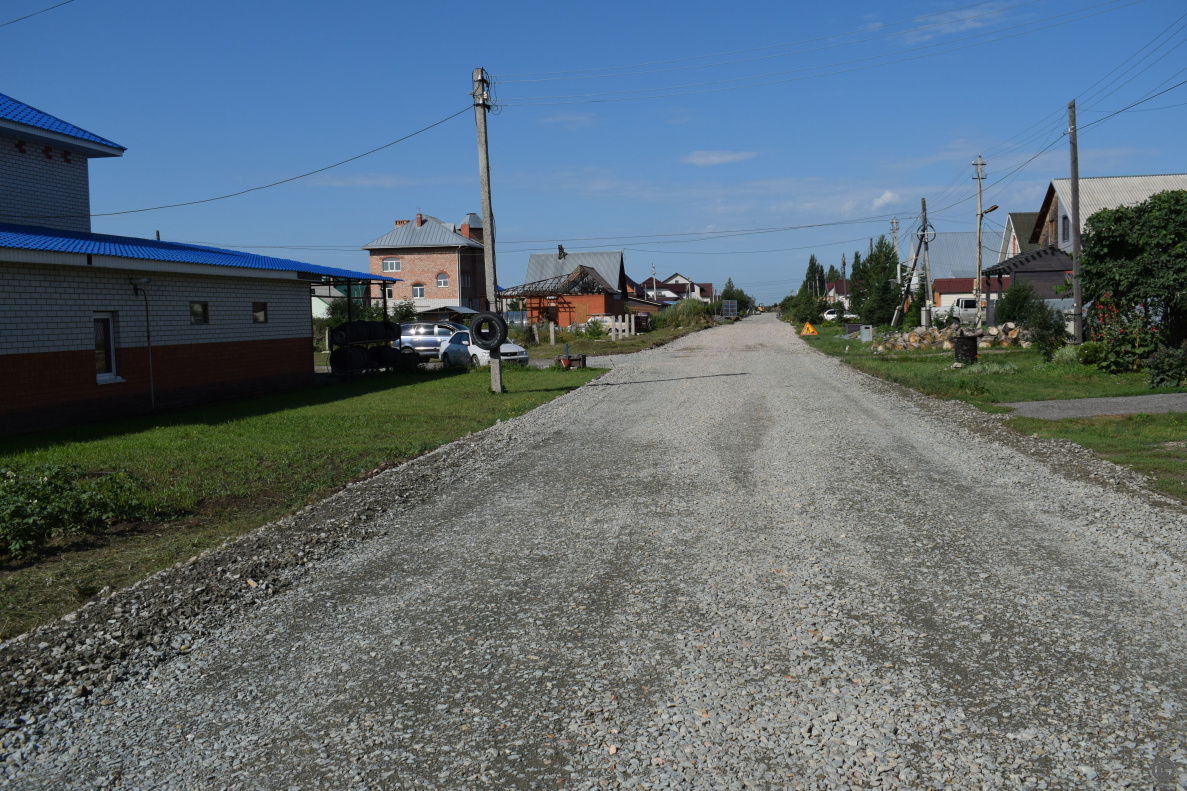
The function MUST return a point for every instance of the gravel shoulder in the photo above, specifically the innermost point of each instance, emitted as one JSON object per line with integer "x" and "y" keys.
{"x": 730, "y": 562}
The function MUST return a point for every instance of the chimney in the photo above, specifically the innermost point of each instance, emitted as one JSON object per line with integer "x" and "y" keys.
{"x": 420, "y": 220}
{"x": 560, "y": 251}
{"x": 401, "y": 222}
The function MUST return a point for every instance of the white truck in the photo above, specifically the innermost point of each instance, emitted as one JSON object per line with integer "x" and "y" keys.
{"x": 962, "y": 311}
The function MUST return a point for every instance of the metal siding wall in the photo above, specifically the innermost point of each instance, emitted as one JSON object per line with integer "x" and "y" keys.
{"x": 49, "y": 308}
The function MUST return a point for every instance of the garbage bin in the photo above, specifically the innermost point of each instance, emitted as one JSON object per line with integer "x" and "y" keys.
{"x": 867, "y": 333}
{"x": 965, "y": 348}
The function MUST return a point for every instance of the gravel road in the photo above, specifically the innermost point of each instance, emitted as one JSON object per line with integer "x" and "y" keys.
{"x": 1088, "y": 407}
{"x": 729, "y": 563}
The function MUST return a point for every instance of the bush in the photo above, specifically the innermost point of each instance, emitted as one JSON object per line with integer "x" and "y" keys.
{"x": 1090, "y": 352}
{"x": 1048, "y": 329}
{"x": 1168, "y": 366}
{"x": 1016, "y": 304}
{"x": 1066, "y": 355}
{"x": 1124, "y": 333}
{"x": 595, "y": 329}
{"x": 685, "y": 313}
{"x": 41, "y": 503}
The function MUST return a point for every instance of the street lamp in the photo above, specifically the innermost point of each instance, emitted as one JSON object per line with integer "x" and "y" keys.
{"x": 977, "y": 286}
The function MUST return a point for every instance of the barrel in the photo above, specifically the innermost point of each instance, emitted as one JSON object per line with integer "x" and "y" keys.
{"x": 348, "y": 358}
{"x": 965, "y": 349}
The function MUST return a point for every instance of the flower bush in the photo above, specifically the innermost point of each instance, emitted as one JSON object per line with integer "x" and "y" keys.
{"x": 1124, "y": 334}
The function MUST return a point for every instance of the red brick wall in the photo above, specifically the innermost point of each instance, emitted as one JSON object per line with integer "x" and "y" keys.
{"x": 50, "y": 389}
{"x": 572, "y": 308}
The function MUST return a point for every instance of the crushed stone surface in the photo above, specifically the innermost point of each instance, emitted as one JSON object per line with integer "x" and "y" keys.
{"x": 1090, "y": 407}
{"x": 729, "y": 563}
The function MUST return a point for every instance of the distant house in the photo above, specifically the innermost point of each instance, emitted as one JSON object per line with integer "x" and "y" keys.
{"x": 1016, "y": 238}
{"x": 581, "y": 285}
{"x": 676, "y": 287}
{"x": 440, "y": 264}
{"x": 952, "y": 256}
{"x": 837, "y": 290}
{"x": 1044, "y": 269}
{"x": 94, "y": 326}
{"x": 1053, "y": 226}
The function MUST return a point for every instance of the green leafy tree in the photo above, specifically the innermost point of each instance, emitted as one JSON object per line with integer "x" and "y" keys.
{"x": 745, "y": 301}
{"x": 874, "y": 293}
{"x": 832, "y": 275}
{"x": 1138, "y": 255}
{"x": 1016, "y": 304}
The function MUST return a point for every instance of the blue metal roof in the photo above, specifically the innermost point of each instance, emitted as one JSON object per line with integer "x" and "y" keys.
{"x": 23, "y": 237}
{"x": 21, "y": 113}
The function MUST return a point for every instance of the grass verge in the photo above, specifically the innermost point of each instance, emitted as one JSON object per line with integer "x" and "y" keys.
{"x": 229, "y": 468}
{"x": 1151, "y": 444}
{"x": 591, "y": 347}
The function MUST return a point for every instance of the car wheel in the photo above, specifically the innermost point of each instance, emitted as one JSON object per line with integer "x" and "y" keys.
{"x": 475, "y": 361}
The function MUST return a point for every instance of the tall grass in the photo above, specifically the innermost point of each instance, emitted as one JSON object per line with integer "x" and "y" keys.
{"x": 685, "y": 313}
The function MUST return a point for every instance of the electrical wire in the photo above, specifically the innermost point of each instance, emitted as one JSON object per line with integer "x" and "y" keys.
{"x": 35, "y": 13}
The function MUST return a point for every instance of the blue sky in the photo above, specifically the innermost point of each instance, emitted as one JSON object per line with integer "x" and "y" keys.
{"x": 220, "y": 96}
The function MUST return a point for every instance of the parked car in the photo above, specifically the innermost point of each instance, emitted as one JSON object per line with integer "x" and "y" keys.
{"x": 426, "y": 337}
{"x": 459, "y": 350}
{"x": 831, "y": 314}
{"x": 962, "y": 311}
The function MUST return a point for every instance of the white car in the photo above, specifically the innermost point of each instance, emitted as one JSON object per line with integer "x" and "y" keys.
{"x": 831, "y": 315}
{"x": 459, "y": 350}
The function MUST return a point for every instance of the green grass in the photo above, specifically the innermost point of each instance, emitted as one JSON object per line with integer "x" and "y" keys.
{"x": 1151, "y": 444}
{"x": 321, "y": 358}
{"x": 226, "y": 469}
{"x": 588, "y": 346}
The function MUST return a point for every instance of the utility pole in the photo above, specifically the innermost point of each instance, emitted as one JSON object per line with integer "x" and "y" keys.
{"x": 980, "y": 163}
{"x": 481, "y": 106}
{"x": 925, "y": 308}
{"x": 1078, "y": 296}
{"x": 898, "y": 266}
{"x": 654, "y": 286}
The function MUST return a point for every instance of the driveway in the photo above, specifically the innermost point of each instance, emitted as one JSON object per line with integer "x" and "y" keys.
{"x": 730, "y": 562}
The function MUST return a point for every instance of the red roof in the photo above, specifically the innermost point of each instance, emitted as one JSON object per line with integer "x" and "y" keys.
{"x": 962, "y": 285}
{"x": 842, "y": 287}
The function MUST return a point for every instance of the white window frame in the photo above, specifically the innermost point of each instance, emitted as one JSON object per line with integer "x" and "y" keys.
{"x": 392, "y": 265}
{"x": 442, "y": 276}
{"x": 112, "y": 376}
{"x": 421, "y": 287}
{"x": 389, "y": 292}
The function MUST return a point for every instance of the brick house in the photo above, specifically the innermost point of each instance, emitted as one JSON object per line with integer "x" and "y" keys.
{"x": 440, "y": 264}
{"x": 95, "y": 326}
{"x": 1052, "y": 228}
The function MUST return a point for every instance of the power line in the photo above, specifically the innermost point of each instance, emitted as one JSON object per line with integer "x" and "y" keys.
{"x": 35, "y": 13}
{"x": 262, "y": 186}
{"x": 782, "y": 54}
{"x": 616, "y": 96}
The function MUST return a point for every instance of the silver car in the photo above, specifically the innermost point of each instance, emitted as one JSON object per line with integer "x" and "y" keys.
{"x": 426, "y": 337}
{"x": 459, "y": 349}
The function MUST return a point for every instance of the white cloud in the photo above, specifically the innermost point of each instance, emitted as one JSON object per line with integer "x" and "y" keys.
{"x": 571, "y": 120}
{"x": 887, "y": 198}
{"x": 704, "y": 158}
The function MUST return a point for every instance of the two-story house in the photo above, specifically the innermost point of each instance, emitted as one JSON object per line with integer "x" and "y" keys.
{"x": 440, "y": 264}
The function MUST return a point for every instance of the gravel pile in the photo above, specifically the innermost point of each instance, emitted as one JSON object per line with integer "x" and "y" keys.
{"x": 728, "y": 563}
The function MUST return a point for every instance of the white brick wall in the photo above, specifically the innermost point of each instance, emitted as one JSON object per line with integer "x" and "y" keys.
{"x": 48, "y": 308}
{"x": 48, "y": 191}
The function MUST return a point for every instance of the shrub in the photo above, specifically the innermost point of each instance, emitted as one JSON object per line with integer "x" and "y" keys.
{"x": 1066, "y": 355}
{"x": 41, "y": 503}
{"x": 685, "y": 313}
{"x": 1090, "y": 352}
{"x": 1048, "y": 329}
{"x": 1016, "y": 304}
{"x": 595, "y": 329}
{"x": 1168, "y": 366}
{"x": 1124, "y": 333}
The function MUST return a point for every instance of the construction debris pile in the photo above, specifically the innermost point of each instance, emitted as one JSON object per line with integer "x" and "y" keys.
{"x": 1001, "y": 335}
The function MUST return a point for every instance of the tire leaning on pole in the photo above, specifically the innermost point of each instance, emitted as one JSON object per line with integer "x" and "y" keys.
{"x": 488, "y": 330}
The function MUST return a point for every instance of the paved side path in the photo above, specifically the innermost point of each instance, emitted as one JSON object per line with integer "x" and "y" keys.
{"x": 729, "y": 563}
{"x": 1088, "y": 407}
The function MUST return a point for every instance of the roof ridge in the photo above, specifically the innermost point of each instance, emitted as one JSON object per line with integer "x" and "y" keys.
{"x": 14, "y": 110}
{"x": 1134, "y": 176}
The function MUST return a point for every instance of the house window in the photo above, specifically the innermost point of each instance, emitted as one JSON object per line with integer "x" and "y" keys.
{"x": 442, "y": 280}
{"x": 388, "y": 292}
{"x": 1066, "y": 228}
{"x": 466, "y": 280}
{"x": 391, "y": 265}
{"x": 105, "y": 348}
{"x": 418, "y": 290}
{"x": 199, "y": 313}
{"x": 259, "y": 313}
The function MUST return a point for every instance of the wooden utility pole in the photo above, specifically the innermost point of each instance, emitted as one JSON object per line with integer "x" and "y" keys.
{"x": 980, "y": 163}
{"x": 898, "y": 266}
{"x": 925, "y": 308}
{"x": 1077, "y": 295}
{"x": 481, "y": 106}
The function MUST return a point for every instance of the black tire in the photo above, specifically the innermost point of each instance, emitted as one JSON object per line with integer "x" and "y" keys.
{"x": 488, "y": 331}
{"x": 475, "y": 361}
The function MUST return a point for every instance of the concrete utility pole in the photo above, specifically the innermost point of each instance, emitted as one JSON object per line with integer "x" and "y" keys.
{"x": 980, "y": 163}
{"x": 1077, "y": 295}
{"x": 481, "y": 106}
{"x": 898, "y": 267}
{"x": 654, "y": 285}
{"x": 925, "y": 308}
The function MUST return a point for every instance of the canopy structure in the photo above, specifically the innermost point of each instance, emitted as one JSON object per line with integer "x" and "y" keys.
{"x": 582, "y": 280}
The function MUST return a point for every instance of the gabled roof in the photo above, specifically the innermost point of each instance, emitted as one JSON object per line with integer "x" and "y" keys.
{"x": 582, "y": 280}
{"x": 1046, "y": 259}
{"x": 20, "y": 119}
{"x": 608, "y": 265}
{"x": 954, "y": 253}
{"x": 433, "y": 233}
{"x": 841, "y": 286}
{"x": 23, "y": 237}
{"x": 1107, "y": 192}
{"x": 1022, "y": 223}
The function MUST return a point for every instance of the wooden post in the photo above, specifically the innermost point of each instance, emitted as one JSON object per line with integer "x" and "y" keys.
{"x": 481, "y": 105}
{"x": 552, "y": 333}
{"x": 1077, "y": 295}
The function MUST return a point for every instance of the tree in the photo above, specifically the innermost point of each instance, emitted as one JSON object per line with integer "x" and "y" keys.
{"x": 745, "y": 301}
{"x": 880, "y": 290}
{"x": 833, "y": 275}
{"x": 1138, "y": 255}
